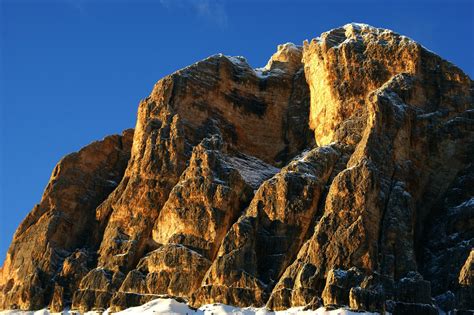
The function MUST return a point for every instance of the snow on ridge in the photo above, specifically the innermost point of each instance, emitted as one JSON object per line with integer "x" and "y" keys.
{"x": 173, "y": 307}
{"x": 289, "y": 46}
{"x": 302, "y": 157}
{"x": 237, "y": 60}
{"x": 361, "y": 26}
{"x": 355, "y": 29}
{"x": 358, "y": 25}
{"x": 354, "y": 32}
{"x": 467, "y": 203}
{"x": 254, "y": 171}
{"x": 262, "y": 72}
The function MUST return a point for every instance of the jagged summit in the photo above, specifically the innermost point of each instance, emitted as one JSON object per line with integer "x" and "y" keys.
{"x": 340, "y": 174}
{"x": 355, "y": 31}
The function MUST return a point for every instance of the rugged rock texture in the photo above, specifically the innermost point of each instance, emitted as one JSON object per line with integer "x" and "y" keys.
{"x": 340, "y": 174}
{"x": 267, "y": 236}
{"x": 219, "y": 95}
{"x": 465, "y": 297}
{"x": 46, "y": 258}
{"x": 408, "y": 113}
{"x": 449, "y": 239}
{"x": 208, "y": 198}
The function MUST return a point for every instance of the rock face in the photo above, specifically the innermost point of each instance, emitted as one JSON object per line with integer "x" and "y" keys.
{"x": 340, "y": 174}
{"x": 267, "y": 236}
{"x": 401, "y": 113}
{"x": 449, "y": 241}
{"x": 49, "y": 253}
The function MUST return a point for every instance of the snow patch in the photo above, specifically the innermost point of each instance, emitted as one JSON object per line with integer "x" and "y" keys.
{"x": 461, "y": 207}
{"x": 345, "y": 42}
{"x": 238, "y": 60}
{"x": 467, "y": 203}
{"x": 357, "y": 25}
{"x": 264, "y": 72}
{"x": 394, "y": 99}
{"x": 430, "y": 115}
{"x": 173, "y": 307}
{"x": 112, "y": 183}
{"x": 356, "y": 31}
{"x": 252, "y": 170}
{"x": 261, "y": 73}
{"x": 339, "y": 273}
{"x": 289, "y": 46}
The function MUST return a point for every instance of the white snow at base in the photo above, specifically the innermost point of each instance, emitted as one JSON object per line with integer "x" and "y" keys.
{"x": 40, "y": 312}
{"x": 173, "y": 307}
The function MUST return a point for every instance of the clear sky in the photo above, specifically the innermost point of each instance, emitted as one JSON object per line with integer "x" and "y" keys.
{"x": 73, "y": 71}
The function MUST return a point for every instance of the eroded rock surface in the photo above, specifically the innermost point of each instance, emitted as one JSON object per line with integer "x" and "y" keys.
{"x": 340, "y": 174}
{"x": 267, "y": 236}
{"x": 400, "y": 167}
{"x": 209, "y": 196}
{"x": 46, "y": 248}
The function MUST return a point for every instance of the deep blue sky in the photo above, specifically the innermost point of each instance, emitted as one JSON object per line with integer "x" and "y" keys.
{"x": 73, "y": 71}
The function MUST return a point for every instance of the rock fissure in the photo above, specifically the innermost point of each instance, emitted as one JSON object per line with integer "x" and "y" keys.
{"x": 382, "y": 221}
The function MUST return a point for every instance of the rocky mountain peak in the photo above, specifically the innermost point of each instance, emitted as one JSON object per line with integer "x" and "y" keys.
{"x": 339, "y": 174}
{"x": 288, "y": 57}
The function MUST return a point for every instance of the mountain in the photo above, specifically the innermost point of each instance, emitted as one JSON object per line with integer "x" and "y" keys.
{"x": 340, "y": 174}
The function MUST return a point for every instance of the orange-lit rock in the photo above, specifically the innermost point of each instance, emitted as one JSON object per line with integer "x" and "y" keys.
{"x": 407, "y": 114}
{"x": 340, "y": 174}
{"x": 45, "y": 243}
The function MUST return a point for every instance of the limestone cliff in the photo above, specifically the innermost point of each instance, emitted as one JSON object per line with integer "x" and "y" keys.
{"x": 53, "y": 246}
{"x": 341, "y": 173}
